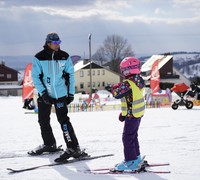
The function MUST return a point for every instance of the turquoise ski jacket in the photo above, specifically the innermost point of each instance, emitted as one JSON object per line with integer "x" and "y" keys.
{"x": 48, "y": 69}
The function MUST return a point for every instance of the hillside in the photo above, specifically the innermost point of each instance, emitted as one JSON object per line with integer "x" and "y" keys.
{"x": 16, "y": 62}
{"x": 188, "y": 63}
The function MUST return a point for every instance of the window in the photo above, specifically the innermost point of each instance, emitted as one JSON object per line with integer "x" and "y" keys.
{"x": 88, "y": 72}
{"x": 93, "y": 84}
{"x": 98, "y": 84}
{"x": 1, "y": 75}
{"x": 8, "y": 76}
{"x": 93, "y": 72}
{"x": 81, "y": 85}
{"x": 103, "y": 72}
{"x": 88, "y": 84}
{"x": 81, "y": 73}
{"x": 103, "y": 83}
{"x": 98, "y": 72}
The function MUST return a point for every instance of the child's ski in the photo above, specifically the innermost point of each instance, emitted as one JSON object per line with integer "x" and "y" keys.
{"x": 131, "y": 172}
{"x": 158, "y": 172}
{"x": 143, "y": 169}
{"x": 111, "y": 171}
{"x": 145, "y": 165}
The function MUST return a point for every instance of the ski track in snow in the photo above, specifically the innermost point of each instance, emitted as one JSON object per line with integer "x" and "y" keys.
{"x": 165, "y": 135}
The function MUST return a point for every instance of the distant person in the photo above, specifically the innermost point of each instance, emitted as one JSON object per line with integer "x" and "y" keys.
{"x": 53, "y": 77}
{"x": 96, "y": 98}
{"x": 29, "y": 104}
{"x": 130, "y": 91}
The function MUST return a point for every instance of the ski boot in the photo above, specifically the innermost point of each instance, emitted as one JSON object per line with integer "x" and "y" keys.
{"x": 141, "y": 162}
{"x": 42, "y": 149}
{"x": 70, "y": 152}
{"x": 128, "y": 166}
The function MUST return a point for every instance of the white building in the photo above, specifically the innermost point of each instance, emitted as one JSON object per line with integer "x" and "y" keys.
{"x": 101, "y": 76}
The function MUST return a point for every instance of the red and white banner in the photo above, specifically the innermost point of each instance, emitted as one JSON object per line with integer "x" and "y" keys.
{"x": 28, "y": 87}
{"x": 155, "y": 77}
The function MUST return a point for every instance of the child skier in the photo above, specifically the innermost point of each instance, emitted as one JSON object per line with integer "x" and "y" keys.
{"x": 130, "y": 91}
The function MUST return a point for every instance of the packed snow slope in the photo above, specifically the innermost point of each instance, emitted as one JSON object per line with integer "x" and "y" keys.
{"x": 165, "y": 135}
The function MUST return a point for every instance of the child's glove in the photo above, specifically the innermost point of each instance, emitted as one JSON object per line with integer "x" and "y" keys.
{"x": 121, "y": 118}
{"x": 115, "y": 86}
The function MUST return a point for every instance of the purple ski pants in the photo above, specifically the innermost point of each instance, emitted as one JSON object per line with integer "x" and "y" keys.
{"x": 130, "y": 138}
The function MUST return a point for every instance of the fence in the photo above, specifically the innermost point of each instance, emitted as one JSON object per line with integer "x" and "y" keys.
{"x": 92, "y": 107}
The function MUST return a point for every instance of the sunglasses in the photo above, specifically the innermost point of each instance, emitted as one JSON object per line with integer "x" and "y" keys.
{"x": 56, "y": 42}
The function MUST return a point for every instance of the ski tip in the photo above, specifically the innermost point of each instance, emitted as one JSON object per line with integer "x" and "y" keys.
{"x": 104, "y": 155}
{"x": 158, "y": 172}
{"x": 109, "y": 155}
{"x": 11, "y": 171}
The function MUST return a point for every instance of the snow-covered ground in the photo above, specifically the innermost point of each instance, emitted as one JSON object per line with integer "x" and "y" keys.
{"x": 165, "y": 135}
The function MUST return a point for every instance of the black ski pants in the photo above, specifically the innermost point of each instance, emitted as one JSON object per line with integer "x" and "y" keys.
{"x": 44, "y": 111}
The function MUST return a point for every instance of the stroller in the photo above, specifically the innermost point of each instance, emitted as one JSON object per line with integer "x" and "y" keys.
{"x": 183, "y": 91}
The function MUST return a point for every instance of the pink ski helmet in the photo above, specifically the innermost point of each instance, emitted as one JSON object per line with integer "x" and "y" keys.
{"x": 129, "y": 66}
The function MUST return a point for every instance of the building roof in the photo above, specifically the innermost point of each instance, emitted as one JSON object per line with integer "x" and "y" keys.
{"x": 162, "y": 61}
{"x": 84, "y": 64}
{"x": 3, "y": 66}
{"x": 147, "y": 66}
{"x": 80, "y": 65}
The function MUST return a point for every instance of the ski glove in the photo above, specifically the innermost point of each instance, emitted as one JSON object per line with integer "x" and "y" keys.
{"x": 45, "y": 97}
{"x": 114, "y": 88}
{"x": 121, "y": 118}
{"x": 70, "y": 98}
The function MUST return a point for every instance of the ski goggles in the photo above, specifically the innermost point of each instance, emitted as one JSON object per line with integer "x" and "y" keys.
{"x": 56, "y": 42}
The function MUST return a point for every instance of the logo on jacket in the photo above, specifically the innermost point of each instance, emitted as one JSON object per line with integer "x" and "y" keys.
{"x": 48, "y": 80}
{"x": 61, "y": 64}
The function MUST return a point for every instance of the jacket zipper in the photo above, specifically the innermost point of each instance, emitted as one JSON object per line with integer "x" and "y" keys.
{"x": 54, "y": 76}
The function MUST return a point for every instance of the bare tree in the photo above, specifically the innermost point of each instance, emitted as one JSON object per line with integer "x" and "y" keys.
{"x": 99, "y": 56}
{"x": 114, "y": 49}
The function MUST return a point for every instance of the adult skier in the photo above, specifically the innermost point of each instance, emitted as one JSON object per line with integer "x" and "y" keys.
{"x": 53, "y": 77}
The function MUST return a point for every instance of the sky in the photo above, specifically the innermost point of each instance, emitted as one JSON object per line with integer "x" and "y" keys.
{"x": 149, "y": 26}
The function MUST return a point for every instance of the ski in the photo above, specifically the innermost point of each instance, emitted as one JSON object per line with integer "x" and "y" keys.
{"x": 30, "y": 113}
{"x": 131, "y": 172}
{"x": 23, "y": 155}
{"x": 157, "y": 172}
{"x": 29, "y": 154}
{"x": 156, "y": 164}
{"x": 111, "y": 171}
{"x": 58, "y": 163}
{"x": 145, "y": 165}
{"x": 14, "y": 155}
{"x": 58, "y": 149}
{"x": 143, "y": 169}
